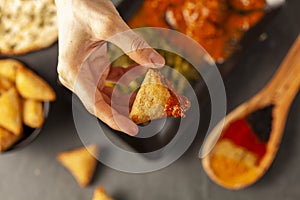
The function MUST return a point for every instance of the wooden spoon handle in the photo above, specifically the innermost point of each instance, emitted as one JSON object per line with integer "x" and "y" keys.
{"x": 286, "y": 82}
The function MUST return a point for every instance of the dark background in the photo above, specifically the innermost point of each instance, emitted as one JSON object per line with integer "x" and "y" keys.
{"x": 34, "y": 174}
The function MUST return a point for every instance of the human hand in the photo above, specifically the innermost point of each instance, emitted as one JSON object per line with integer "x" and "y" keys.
{"x": 84, "y": 28}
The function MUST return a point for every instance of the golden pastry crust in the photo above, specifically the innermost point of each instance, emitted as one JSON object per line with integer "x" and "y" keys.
{"x": 155, "y": 100}
{"x": 81, "y": 163}
{"x": 100, "y": 194}
{"x": 150, "y": 100}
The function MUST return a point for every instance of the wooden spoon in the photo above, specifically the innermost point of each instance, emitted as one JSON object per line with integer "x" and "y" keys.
{"x": 280, "y": 92}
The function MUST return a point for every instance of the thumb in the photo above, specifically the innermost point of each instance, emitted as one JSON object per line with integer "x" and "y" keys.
{"x": 138, "y": 49}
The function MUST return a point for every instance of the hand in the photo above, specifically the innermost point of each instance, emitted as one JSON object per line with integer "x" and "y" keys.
{"x": 84, "y": 28}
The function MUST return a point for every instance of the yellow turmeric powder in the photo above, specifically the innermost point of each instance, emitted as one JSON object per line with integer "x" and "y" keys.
{"x": 233, "y": 164}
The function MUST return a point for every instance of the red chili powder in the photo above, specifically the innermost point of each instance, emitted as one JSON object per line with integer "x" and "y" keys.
{"x": 240, "y": 133}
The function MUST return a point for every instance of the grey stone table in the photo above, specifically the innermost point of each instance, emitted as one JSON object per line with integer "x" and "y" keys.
{"x": 34, "y": 174}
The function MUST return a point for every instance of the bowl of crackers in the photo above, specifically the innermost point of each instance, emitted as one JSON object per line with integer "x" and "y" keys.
{"x": 24, "y": 104}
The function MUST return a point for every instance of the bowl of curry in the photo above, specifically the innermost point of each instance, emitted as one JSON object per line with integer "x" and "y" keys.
{"x": 217, "y": 25}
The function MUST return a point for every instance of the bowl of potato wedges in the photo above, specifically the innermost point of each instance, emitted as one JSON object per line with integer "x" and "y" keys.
{"x": 24, "y": 104}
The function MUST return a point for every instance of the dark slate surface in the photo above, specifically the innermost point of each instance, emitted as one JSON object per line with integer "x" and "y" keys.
{"x": 33, "y": 173}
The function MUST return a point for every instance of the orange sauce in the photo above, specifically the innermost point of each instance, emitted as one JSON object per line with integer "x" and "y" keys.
{"x": 218, "y": 25}
{"x": 172, "y": 107}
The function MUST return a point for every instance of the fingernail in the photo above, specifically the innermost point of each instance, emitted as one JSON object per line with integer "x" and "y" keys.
{"x": 131, "y": 130}
{"x": 126, "y": 125}
{"x": 157, "y": 60}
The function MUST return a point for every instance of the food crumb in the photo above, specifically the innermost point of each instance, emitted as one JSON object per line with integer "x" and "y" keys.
{"x": 37, "y": 172}
{"x": 263, "y": 37}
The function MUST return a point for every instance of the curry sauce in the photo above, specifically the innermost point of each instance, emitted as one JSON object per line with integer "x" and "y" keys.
{"x": 218, "y": 25}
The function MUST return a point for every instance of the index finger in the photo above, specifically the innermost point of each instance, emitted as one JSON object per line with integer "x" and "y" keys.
{"x": 137, "y": 48}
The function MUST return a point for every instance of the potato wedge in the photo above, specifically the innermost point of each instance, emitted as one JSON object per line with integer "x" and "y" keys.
{"x": 33, "y": 114}
{"x": 10, "y": 111}
{"x": 31, "y": 86}
{"x": 5, "y": 84}
{"x": 7, "y": 139}
{"x": 8, "y": 68}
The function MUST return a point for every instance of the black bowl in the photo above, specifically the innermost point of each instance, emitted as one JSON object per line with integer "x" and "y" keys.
{"x": 29, "y": 134}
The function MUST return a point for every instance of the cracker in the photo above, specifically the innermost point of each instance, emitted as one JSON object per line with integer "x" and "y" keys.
{"x": 27, "y": 25}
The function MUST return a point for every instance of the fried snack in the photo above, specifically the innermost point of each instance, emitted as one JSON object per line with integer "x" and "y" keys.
{"x": 33, "y": 115}
{"x": 7, "y": 139}
{"x": 150, "y": 100}
{"x": 5, "y": 84}
{"x": 100, "y": 194}
{"x": 81, "y": 163}
{"x": 16, "y": 81}
{"x": 8, "y": 68}
{"x": 27, "y": 25}
{"x": 31, "y": 86}
{"x": 155, "y": 100}
{"x": 10, "y": 111}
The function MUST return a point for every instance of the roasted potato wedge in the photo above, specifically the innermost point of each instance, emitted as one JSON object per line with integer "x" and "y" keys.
{"x": 10, "y": 111}
{"x": 5, "y": 84}
{"x": 31, "y": 86}
{"x": 8, "y": 68}
{"x": 33, "y": 114}
{"x": 7, "y": 139}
